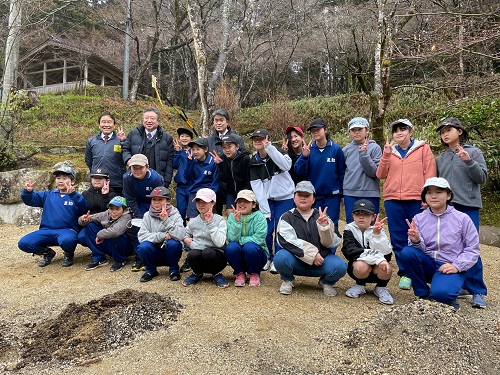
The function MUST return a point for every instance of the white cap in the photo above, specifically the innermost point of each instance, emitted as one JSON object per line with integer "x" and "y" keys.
{"x": 247, "y": 195}
{"x": 206, "y": 195}
{"x": 437, "y": 181}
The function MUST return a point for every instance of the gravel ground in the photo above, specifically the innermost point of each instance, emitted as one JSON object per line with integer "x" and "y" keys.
{"x": 48, "y": 313}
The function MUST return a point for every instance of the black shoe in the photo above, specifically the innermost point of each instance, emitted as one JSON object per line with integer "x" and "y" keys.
{"x": 47, "y": 255}
{"x": 175, "y": 276}
{"x": 185, "y": 267}
{"x": 137, "y": 266}
{"x": 96, "y": 264}
{"x": 148, "y": 276}
{"x": 67, "y": 259}
{"x": 117, "y": 266}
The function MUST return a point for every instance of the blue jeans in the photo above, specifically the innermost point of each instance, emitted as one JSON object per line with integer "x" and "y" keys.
{"x": 422, "y": 269}
{"x": 349, "y": 204}
{"x": 397, "y": 212}
{"x": 34, "y": 242}
{"x": 277, "y": 209}
{"x": 288, "y": 265}
{"x": 249, "y": 257}
{"x": 153, "y": 255}
{"x": 474, "y": 280}
{"x": 117, "y": 248}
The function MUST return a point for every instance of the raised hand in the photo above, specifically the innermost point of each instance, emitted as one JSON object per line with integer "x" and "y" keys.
{"x": 323, "y": 217}
{"x": 190, "y": 154}
{"x": 164, "y": 213}
{"x": 284, "y": 144}
{"x": 378, "y": 225}
{"x": 215, "y": 155}
{"x": 69, "y": 187}
{"x": 237, "y": 214}
{"x": 365, "y": 144}
{"x": 306, "y": 149}
{"x": 209, "y": 215}
{"x": 86, "y": 218}
{"x": 462, "y": 154}
{"x": 29, "y": 185}
{"x": 388, "y": 146}
{"x": 121, "y": 134}
{"x": 177, "y": 145}
{"x": 413, "y": 231}
{"x": 265, "y": 141}
{"x": 105, "y": 188}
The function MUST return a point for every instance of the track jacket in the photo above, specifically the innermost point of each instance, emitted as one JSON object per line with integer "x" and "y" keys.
{"x": 365, "y": 246}
{"x": 111, "y": 228}
{"x": 251, "y": 228}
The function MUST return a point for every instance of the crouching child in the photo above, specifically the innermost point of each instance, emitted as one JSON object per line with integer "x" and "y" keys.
{"x": 368, "y": 252}
{"x": 107, "y": 233}
{"x": 160, "y": 234}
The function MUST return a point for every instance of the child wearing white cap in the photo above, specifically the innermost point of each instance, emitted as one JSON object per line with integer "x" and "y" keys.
{"x": 206, "y": 237}
{"x": 246, "y": 232}
{"x": 443, "y": 244}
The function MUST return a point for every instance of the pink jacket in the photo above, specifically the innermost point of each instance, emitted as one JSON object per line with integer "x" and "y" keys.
{"x": 404, "y": 178}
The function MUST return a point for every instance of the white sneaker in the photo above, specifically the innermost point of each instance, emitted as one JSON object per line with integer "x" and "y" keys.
{"x": 286, "y": 287}
{"x": 355, "y": 291}
{"x": 328, "y": 289}
{"x": 267, "y": 265}
{"x": 272, "y": 269}
{"x": 383, "y": 295}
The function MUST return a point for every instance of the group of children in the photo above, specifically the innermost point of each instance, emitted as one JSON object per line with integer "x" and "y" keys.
{"x": 281, "y": 221}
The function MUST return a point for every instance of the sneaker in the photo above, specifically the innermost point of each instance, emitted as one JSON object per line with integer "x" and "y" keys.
{"x": 286, "y": 287}
{"x": 383, "y": 295}
{"x": 267, "y": 265}
{"x": 220, "y": 281}
{"x": 272, "y": 269}
{"x": 355, "y": 291}
{"x": 405, "y": 283}
{"x": 148, "y": 276}
{"x": 192, "y": 279}
{"x": 117, "y": 266}
{"x": 47, "y": 255}
{"x": 67, "y": 259}
{"x": 137, "y": 266}
{"x": 185, "y": 267}
{"x": 96, "y": 264}
{"x": 175, "y": 276}
{"x": 254, "y": 279}
{"x": 463, "y": 293}
{"x": 328, "y": 289}
{"x": 240, "y": 279}
{"x": 455, "y": 305}
{"x": 478, "y": 301}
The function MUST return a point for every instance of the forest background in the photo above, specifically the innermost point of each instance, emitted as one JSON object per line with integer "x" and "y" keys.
{"x": 270, "y": 63}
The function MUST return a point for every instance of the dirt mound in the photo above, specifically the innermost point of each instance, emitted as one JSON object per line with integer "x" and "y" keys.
{"x": 81, "y": 331}
{"x": 446, "y": 341}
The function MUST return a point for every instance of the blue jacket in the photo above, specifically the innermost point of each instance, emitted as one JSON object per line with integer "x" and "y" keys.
{"x": 135, "y": 191}
{"x": 203, "y": 174}
{"x": 325, "y": 169}
{"x": 59, "y": 211}
{"x": 106, "y": 155}
{"x": 180, "y": 163}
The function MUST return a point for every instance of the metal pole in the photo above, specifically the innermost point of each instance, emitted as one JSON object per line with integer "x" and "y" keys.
{"x": 126, "y": 54}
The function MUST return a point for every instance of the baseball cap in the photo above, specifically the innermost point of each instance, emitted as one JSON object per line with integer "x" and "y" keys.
{"x": 317, "y": 123}
{"x": 118, "y": 202}
{"x": 160, "y": 192}
{"x": 450, "y": 121}
{"x": 403, "y": 121}
{"x": 202, "y": 142}
{"x": 228, "y": 138}
{"x": 305, "y": 187}
{"x": 187, "y": 131}
{"x": 138, "y": 159}
{"x": 99, "y": 172}
{"x": 206, "y": 195}
{"x": 65, "y": 169}
{"x": 261, "y": 133}
{"x": 437, "y": 181}
{"x": 363, "y": 205}
{"x": 296, "y": 128}
{"x": 221, "y": 112}
{"x": 247, "y": 195}
{"x": 358, "y": 122}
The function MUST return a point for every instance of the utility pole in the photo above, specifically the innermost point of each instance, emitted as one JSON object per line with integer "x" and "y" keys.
{"x": 126, "y": 54}
{"x": 12, "y": 49}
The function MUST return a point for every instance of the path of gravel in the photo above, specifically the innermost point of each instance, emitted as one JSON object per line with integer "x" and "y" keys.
{"x": 247, "y": 330}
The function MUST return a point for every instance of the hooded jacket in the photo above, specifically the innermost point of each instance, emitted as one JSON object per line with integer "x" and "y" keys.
{"x": 404, "y": 177}
{"x": 111, "y": 228}
{"x": 449, "y": 237}
{"x": 154, "y": 229}
{"x": 234, "y": 173}
{"x": 360, "y": 179}
{"x": 250, "y": 228}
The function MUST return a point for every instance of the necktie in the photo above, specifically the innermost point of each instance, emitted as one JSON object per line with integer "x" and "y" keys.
{"x": 106, "y": 138}
{"x": 150, "y": 136}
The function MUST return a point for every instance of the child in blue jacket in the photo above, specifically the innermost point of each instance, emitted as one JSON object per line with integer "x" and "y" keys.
{"x": 59, "y": 223}
{"x": 180, "y": 162}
